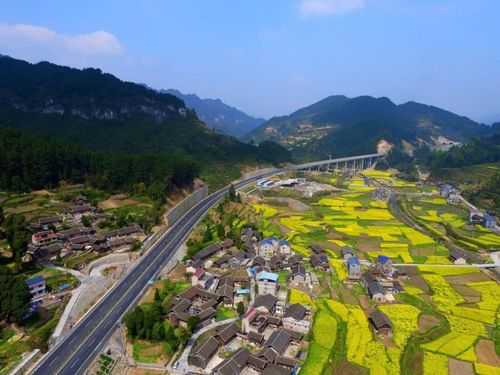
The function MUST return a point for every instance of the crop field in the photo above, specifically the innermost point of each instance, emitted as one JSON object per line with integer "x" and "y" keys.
{"x": 298, "y": 296}
{"x": 353, "y": 217}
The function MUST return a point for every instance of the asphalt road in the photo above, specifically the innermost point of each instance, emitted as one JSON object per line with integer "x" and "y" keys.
{"x": 75, "y": 353}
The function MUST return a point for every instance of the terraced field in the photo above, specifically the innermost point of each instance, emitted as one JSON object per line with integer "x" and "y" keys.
{"x": 461, "y": 303}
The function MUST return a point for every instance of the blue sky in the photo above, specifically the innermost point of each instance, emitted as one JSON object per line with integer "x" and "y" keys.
{"x": 270, "y": 57}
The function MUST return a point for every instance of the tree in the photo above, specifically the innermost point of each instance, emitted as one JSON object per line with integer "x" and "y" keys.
{"x": 158, "y": 332}
{"x": 158, "y": 298}
{"x": 2, "y": 216}
{"x": 86, "y": 221}
{"x": 14, "y": 296}
{"x": 192, "y": 323}
{"x": 232, "y": 193}
{"x": 208, "y": 236}
{"x": 240, "y": 308}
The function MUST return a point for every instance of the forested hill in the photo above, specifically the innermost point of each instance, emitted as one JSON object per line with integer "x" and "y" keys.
{"x": 218, "y": 115}
{"x": 339, "y": 125}
{"x": 101, "y": 112}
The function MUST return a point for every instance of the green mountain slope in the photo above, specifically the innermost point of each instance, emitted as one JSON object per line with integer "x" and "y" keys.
{"x": 101, "y": 112}
{"x": 218, "y": 115}
{"x": 339, "y": 125}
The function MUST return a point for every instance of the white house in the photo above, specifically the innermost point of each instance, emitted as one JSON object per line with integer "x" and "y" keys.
{"x": 284, "y": 247}
{"x": 267, "y": 283}
{"x": 297, "y": 319}
{"x": 268, "y": 247}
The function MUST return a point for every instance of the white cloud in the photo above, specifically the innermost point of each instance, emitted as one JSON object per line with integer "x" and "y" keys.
{"x": 330, "y": 7}
{"x": 37, "y": 42}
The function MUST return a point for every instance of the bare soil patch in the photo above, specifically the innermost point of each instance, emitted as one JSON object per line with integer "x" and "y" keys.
{"x": 419, "y": 282}
{"x": 426, "y": 322}
{"x": 347, "y": 368}
{"x": 485, "y": 352}
{"x": 470, "y": 295}
{"x": 348, "y": 296}
{"x": 424, "y": 251}
{"x": 113, "y": 202}
{"x": 457, "y": 367}
{"x": 367, "y": 245}
{"x": 140, "y": 371}
{"x": 467, "y": 278}
{"x": 42, "y": 192}
{"x": 364, "y": 301}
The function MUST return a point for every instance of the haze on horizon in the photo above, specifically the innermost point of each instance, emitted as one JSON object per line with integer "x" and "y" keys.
{"x": 272, "y": 57}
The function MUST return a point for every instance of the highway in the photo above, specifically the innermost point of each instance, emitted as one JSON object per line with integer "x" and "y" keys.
{"x": 73, "y": 354}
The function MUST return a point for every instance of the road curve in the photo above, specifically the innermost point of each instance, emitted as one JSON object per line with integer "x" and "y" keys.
{"x": 77, "y": 350}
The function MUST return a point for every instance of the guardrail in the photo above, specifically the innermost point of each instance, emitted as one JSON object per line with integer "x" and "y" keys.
{"x": 176, "y": 212}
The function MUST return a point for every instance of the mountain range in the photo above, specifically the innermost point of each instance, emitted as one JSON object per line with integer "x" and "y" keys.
{"x": 218, "y": 115}
{"x": 339, "y": 125}
{"x": 101, "y": 112}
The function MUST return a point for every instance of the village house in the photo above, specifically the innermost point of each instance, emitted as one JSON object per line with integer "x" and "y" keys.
{"x": 346, "y": 252}
{"x": 476, "y": 218}
{"x": 375, "y": 290}
{"x": 265, "y": 303}
{"x": 454, "y": 198}
{"x": 46, "y": 223}
{"x": 44, "y": 238}
{"x": 384, "y": 265}
{"x": 458, "y": 256}
{"x": 37, "y": 288}
{"x": 268, "y": 247}
{"x": 267, "y": 283}
{"x": 225, "y": 290}
{"x": 490, "y": 220}
{"x": 298, "y": 274}
{"x": 194, "y": 302}
{"x": 353, "y": 268}
{"x": 320, "y": 262}
{"x": 297, "y": 319}
{"x": 445, "y": 190}
{"x": 131, "y": 231}
{"x": 284, "y": 247}
{"x": 380, "y": 323}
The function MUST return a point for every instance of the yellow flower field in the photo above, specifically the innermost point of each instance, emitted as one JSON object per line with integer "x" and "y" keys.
{"x": 404, "y": 319}
{"x": 298, "y": 296}
{"x": 435, "y": 364}
{"x": 266, "y": 210}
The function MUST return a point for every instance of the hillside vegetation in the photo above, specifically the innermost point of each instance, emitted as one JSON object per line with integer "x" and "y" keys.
{"x": 340, "y": 126}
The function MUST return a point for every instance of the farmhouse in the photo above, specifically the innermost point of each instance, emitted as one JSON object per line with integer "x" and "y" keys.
{"x": 297, "y": 319}
{"x": 267, "y": 283}
{"x": 353, "y": 268}
{"x": 347, "y": 252}
{"x": 37, "y": 288}
{"x": 268, "y": 247}
{"x": 458, "y": 257}
{"x": 320, "y": 261}
{"x": 380, "y": 323}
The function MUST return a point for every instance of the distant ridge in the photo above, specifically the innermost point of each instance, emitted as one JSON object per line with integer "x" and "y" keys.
{"x": 338, "y": 125}
{"x": 218, "y": 115}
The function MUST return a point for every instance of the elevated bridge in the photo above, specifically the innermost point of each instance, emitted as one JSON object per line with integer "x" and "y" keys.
{"x": 359, "y": 162}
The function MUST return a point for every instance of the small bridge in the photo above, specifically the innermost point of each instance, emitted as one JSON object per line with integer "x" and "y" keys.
{"x": 359, "y": 162}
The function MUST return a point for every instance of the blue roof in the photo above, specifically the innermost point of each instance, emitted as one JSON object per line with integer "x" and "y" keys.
{"x": 35, "y": 280}
{"x": 264, "y": 275}
{"x": 383, "y": 259}
{"x": 268, "y": 241}
{"x": 353, "y": 260}
{"x": 242, "y": 291}
{"x": 284, "y": 242}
